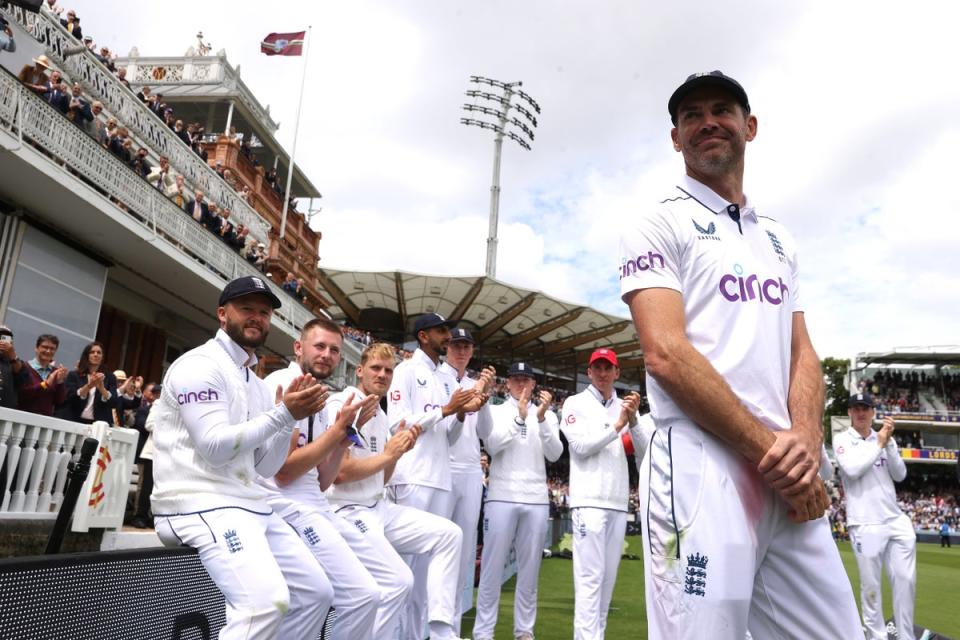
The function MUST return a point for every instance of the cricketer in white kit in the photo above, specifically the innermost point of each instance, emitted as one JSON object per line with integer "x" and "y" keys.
{"x": 881, "y": 534}
{"x": 421, "y": 394}
{"x": 367, "y": 595}
{"x": 466, "y": 475}
{"x": 215, "y": 427}
{"x": 593, "y": 422}
{"x": 517, "y": 507}
{"x": 735, "y": 537}
{"x": 389, "y": 529}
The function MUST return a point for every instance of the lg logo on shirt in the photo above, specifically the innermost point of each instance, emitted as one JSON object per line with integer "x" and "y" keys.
{"x": 571, "y": 419}
{"x": 736, "y": 288}
{"x": 395, "y": 395}
{"x": 186, "y": 397}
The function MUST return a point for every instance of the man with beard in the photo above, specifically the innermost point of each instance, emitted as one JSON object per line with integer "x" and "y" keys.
{"x": 466, "y": 475}
{"x": 736, "y": 537}
{"x": 388, "y": 528}
{"x": 422, "y": 394}
{"x": 313, "y": 461}
{"x": 215, "y": 427}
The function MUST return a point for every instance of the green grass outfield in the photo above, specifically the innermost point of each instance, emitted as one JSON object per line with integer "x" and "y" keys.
{"x": 938, "y": 596}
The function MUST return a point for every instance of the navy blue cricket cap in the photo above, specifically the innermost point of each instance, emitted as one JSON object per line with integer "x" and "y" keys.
{"x": 245, "y": 286}
{"x": 707, "y": 79}
{"x": 864, "y": 399}
{"x": 429, "y": 321}
{"x": 462, "y": 335}
{"x": 521, "y": 369}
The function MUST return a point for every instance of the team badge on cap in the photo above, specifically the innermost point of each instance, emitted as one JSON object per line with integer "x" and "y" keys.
{"x": 604, "y": 354}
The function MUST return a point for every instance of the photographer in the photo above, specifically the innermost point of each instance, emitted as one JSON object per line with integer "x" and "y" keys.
{"x": 10, "y": 367}
{"x": 7, "y": 42}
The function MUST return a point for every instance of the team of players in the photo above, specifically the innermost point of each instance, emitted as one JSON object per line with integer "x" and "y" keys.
{"x": 243, "y": 466}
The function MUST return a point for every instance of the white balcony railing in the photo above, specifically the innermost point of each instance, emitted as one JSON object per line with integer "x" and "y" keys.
{"x": 82, "y": 66}
{"x": 43, "y": 125}
{"x": 38, "y": 448}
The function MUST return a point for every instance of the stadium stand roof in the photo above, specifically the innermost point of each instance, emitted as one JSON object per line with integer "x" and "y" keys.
{"x": 937, "y": 356}
{"x": 509, "y": 323}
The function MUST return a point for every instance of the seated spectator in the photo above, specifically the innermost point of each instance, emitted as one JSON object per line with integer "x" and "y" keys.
{"x": 179, "y": 194}
{"x": 162, "y": 177}
{"x": 42, "y": 387}
{"x": 122, "y": 77}
{"x": 139, "y": 163}
{"x": 72, "y": 24}
{"x": 35, "y": 75}
{"x": 10, "y": 369}
{"x": 91, "y": 393}
{"x": 78, "y": 109}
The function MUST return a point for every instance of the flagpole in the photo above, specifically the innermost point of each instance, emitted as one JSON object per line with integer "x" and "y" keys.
{"x": 296, "y": 128}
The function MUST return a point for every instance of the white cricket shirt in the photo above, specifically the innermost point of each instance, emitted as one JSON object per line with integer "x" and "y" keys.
{"x": 305, "y": 489}
{"x": 598, "y": 463}
{"x": 518, "y": 472}
{"x": 740, "y": 287}
{"x": 417, "y": 394}
{"x": 465, "y": 452}
{"x": 366, "y": 491}
{"x": 868, "y": 473}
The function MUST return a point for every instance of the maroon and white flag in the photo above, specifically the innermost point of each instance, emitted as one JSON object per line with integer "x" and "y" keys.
{"x": 283, "y": 44}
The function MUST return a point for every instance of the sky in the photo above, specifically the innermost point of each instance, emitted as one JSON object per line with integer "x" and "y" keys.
{"x": 856, "y": 151}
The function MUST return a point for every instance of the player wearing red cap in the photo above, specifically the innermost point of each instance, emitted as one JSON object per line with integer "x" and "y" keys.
{"x": 593, "y": 421}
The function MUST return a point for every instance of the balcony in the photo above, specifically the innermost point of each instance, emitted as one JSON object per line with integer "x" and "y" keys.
{"x": 56, "y": 171}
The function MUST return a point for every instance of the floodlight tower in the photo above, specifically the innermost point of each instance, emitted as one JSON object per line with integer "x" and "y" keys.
{"x": 504, "y": 120}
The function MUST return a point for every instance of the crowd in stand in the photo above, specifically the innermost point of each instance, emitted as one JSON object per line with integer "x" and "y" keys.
{"x": 899, "y": 391}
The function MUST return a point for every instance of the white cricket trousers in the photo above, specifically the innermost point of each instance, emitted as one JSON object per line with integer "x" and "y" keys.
{"x": 368, "y": 593}
{"x": 598, "y": 536}
{"x": 504, "y": 522}
{"x": 272, "y": 585}
{"x": 466, "y": 497}
{"x": 893, "y": 544}
{"x": 414, "y": 623}
{"x": 721, "y": 555}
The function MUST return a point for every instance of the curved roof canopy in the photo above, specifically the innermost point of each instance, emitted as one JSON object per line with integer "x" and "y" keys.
{"x": 509, "y": 323}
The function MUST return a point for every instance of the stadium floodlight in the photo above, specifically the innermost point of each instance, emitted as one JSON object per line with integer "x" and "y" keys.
{"x": 501, "y": 129}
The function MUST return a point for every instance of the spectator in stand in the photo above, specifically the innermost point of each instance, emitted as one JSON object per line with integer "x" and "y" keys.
{"x": 91, "y": 393}
{"x": 212, "y": 221}
{"x": 249, "y": 250}
{"x": 78, "y": 109}
{"x": 162, "y": 177}
{"x": 52, "y": 83}
{"x": 140, "y": 164}
{"x": 260, "y": 262}
{"x": 290, "y": 284}
{"x": 59, "y": 97}
{"x": 10, "y": 369}
{"x": 96, "y": 127}
{"x": 42, "y": 385}
{"x": 181, "y": 132}
{"x": 168, "y": 117}
{"x": 7, "y": 43}
{"x": 72, "y": 24}
{"x": 227, "y": 231}
{"x": 109, "y": 131}
{"x": 158, "y": 105}
{"x": 144, "y": 95}
{"x": 129, "y": 401}
{"x": 122, "y": 77}
{"x": 245, "y": 194}
{"x": 218, "y": 168}
{"x": 179, "y": 194}
{"x": 107, "y": 59}
{"x": 198, "y": 208}
{"x": 245, "y": 149}
{"x": 142, "y": 518}
{"x": 53, "y": 8}
{"x": 239, "y": 241}
{"x": 116, "y": 143}
{"x": 35, "y": 75}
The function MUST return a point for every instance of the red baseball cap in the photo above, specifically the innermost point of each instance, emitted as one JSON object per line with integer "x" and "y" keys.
{"x": 604, "y": 354}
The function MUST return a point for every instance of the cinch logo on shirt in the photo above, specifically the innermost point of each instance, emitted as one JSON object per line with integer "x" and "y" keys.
{"x": 641, "y": 263}
{"x": 197, "y": 396}
{"x": 430, "y": 407}
{"x": 736, "y": 288}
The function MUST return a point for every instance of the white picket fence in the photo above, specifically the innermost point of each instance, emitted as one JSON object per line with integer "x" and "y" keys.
{"x": 35, "y": 451}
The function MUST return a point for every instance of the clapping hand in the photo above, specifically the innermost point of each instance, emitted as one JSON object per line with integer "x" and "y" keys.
{"x": 545, "y": 399}
{"x": 304, "y": 396}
